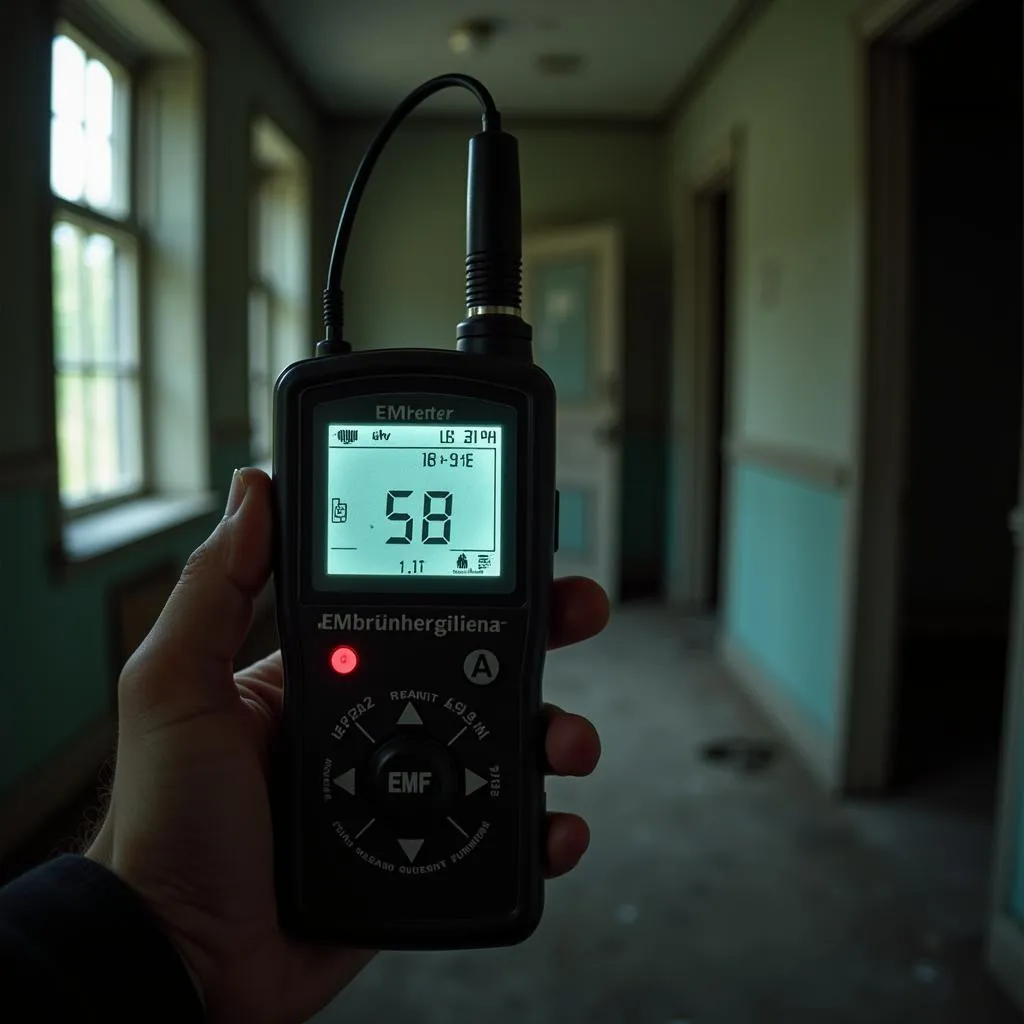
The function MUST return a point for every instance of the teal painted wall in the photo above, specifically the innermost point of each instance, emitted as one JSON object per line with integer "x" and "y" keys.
{"x": 404, "y": 279}
{"x": 1017, "y": 894}
{"x": 784, "y": 583}
{"x": 55, "y": 622}
{"x": 61, "y": 673}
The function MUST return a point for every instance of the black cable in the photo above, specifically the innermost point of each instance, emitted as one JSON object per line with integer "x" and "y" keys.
{"x": 332, "y": 297}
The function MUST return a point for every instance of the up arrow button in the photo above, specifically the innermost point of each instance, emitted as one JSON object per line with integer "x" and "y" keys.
{"x": 409, "y": 716}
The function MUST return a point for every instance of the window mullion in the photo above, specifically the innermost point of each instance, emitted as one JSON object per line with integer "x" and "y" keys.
{"x": 117, "y": 328}
{"x": 126, "y": 228}
{"x": 88, "y": 402}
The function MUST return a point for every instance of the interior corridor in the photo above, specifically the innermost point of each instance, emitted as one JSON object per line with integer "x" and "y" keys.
{"x": 713, "y": 895}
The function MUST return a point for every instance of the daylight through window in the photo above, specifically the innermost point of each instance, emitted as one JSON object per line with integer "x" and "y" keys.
{"x": 95, "y": 268}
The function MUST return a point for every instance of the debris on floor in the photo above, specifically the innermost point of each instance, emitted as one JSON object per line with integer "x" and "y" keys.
{"x": 740, "y": 753}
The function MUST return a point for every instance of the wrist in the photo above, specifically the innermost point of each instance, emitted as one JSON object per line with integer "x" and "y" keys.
{"x": 100, "y": 848}
{"x": 101, "y": 851}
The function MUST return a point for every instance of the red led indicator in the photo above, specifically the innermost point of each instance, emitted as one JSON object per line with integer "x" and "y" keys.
{"x": 344, "y": 660}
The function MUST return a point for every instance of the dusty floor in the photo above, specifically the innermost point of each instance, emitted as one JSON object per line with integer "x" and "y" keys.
{"x": 713, "y": 897}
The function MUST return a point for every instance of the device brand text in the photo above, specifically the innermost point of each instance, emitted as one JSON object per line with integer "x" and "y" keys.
{"x": 351, "y": 622}
{"x": 429, "y": 414}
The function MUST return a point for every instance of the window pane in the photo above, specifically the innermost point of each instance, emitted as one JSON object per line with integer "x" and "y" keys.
{"x": 126, "y": 308}
{"x": 104, "y": 442}
{"x": 71, "y": 438}
{"x": 99, "y": 260}
{"x": 259, "y": 332}
{"x": 99, "y": 100}
{"x": 67, "y": 299}
{"x": 261, "y": 414}
{"x": 259, "y": 372}
{"x": 129, "y": 425}
{"x": 68, "y": 88}
{"x": 99, "y": 416}
{"x": 67, "y": 158}
{"x": 99, "y": 189}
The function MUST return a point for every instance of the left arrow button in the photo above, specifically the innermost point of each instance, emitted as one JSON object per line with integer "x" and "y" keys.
{"x": 346, "y": 781}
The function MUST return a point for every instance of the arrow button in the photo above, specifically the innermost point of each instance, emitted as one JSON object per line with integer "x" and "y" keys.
{"x": 409, "y": 716}
{"x": 410, "y": 847}
{"x": 473, "y": 782}
{"x": 346, "y": 781}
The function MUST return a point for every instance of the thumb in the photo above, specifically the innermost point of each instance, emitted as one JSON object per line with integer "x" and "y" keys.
{"x": 184, "y": 664}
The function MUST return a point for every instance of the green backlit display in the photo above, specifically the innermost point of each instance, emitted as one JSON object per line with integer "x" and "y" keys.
{"x": 414, "y": 500}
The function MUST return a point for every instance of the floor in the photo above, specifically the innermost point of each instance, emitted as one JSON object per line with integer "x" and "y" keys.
{"x": 712, "y": 895}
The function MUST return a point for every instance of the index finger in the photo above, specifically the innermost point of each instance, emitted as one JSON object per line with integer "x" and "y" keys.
{"x": 579, "y": 610}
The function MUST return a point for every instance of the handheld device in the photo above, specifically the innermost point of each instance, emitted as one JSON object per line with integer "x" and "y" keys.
{"x": 415, "y": 533}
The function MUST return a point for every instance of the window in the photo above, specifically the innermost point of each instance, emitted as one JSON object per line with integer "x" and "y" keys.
{"x": 95, "y": 267}
{"x": 279, "y": 288}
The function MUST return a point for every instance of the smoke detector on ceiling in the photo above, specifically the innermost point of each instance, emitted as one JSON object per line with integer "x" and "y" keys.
{"x": 471, "y": 35}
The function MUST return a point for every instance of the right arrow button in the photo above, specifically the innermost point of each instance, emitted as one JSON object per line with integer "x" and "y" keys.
{"x": 473, "y": 782}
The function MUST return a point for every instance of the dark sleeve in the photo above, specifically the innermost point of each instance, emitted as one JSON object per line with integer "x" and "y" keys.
{"x": 77, "y": 944}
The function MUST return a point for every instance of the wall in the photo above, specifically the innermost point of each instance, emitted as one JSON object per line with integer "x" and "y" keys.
{"x": 1017, "y": 883}
{"x": 404, "y": 281}
{"x": 54, "y": 618}
{"x": 785, "y": 99}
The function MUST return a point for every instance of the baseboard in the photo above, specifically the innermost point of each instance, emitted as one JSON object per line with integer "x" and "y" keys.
{"x": 63, "y": 777}
{"x": 811, "y": 743}
{"x": 1006, "y": 956}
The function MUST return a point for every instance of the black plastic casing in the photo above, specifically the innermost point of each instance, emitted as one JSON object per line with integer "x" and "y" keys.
{"x": 493, "y": 895}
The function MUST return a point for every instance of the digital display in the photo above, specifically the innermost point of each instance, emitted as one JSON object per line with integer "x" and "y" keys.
{"x": 414, "y": 500}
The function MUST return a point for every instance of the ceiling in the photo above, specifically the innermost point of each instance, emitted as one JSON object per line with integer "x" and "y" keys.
{"x": 362, "y": 56}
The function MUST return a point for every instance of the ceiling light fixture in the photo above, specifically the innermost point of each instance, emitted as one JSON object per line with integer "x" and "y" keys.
{"x": 471, "y": 35}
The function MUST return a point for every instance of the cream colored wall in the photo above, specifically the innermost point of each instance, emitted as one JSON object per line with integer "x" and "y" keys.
{"x": 785, "y": 101}
{"x": 791, "y": 88}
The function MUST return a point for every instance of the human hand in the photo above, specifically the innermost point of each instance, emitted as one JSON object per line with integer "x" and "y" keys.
{"x": 189, "y": 826}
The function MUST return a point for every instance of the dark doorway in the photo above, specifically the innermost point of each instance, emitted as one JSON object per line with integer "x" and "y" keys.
{"x": 964, "y": 395}
{"x": 720, "y": 308}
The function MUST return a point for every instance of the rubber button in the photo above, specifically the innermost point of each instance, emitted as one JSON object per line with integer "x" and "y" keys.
{"x": 413, "y": 775}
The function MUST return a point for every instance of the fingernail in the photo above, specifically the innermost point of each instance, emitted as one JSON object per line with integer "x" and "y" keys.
{"x": 236, "y": 493}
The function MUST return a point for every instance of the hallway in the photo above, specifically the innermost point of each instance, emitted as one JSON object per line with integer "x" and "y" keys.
{"x": 710, "y": 896}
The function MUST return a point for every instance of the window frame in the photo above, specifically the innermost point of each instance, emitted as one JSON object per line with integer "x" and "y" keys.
{"x": 275, "y": 296}
{"x": 126, "y": 231}
{"x": 262, "y": 287}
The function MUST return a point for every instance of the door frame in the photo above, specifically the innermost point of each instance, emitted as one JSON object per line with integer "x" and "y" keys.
{"x": 605, "y": 240}
{"x": 1005, "y": 943}
{"x": 720, "y": 171}
{"x": 886, "y": 29}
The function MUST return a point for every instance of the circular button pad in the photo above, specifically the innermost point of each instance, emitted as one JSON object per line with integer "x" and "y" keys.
{"x": 410, "y": 781}
{"x": 412, "y": 777}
